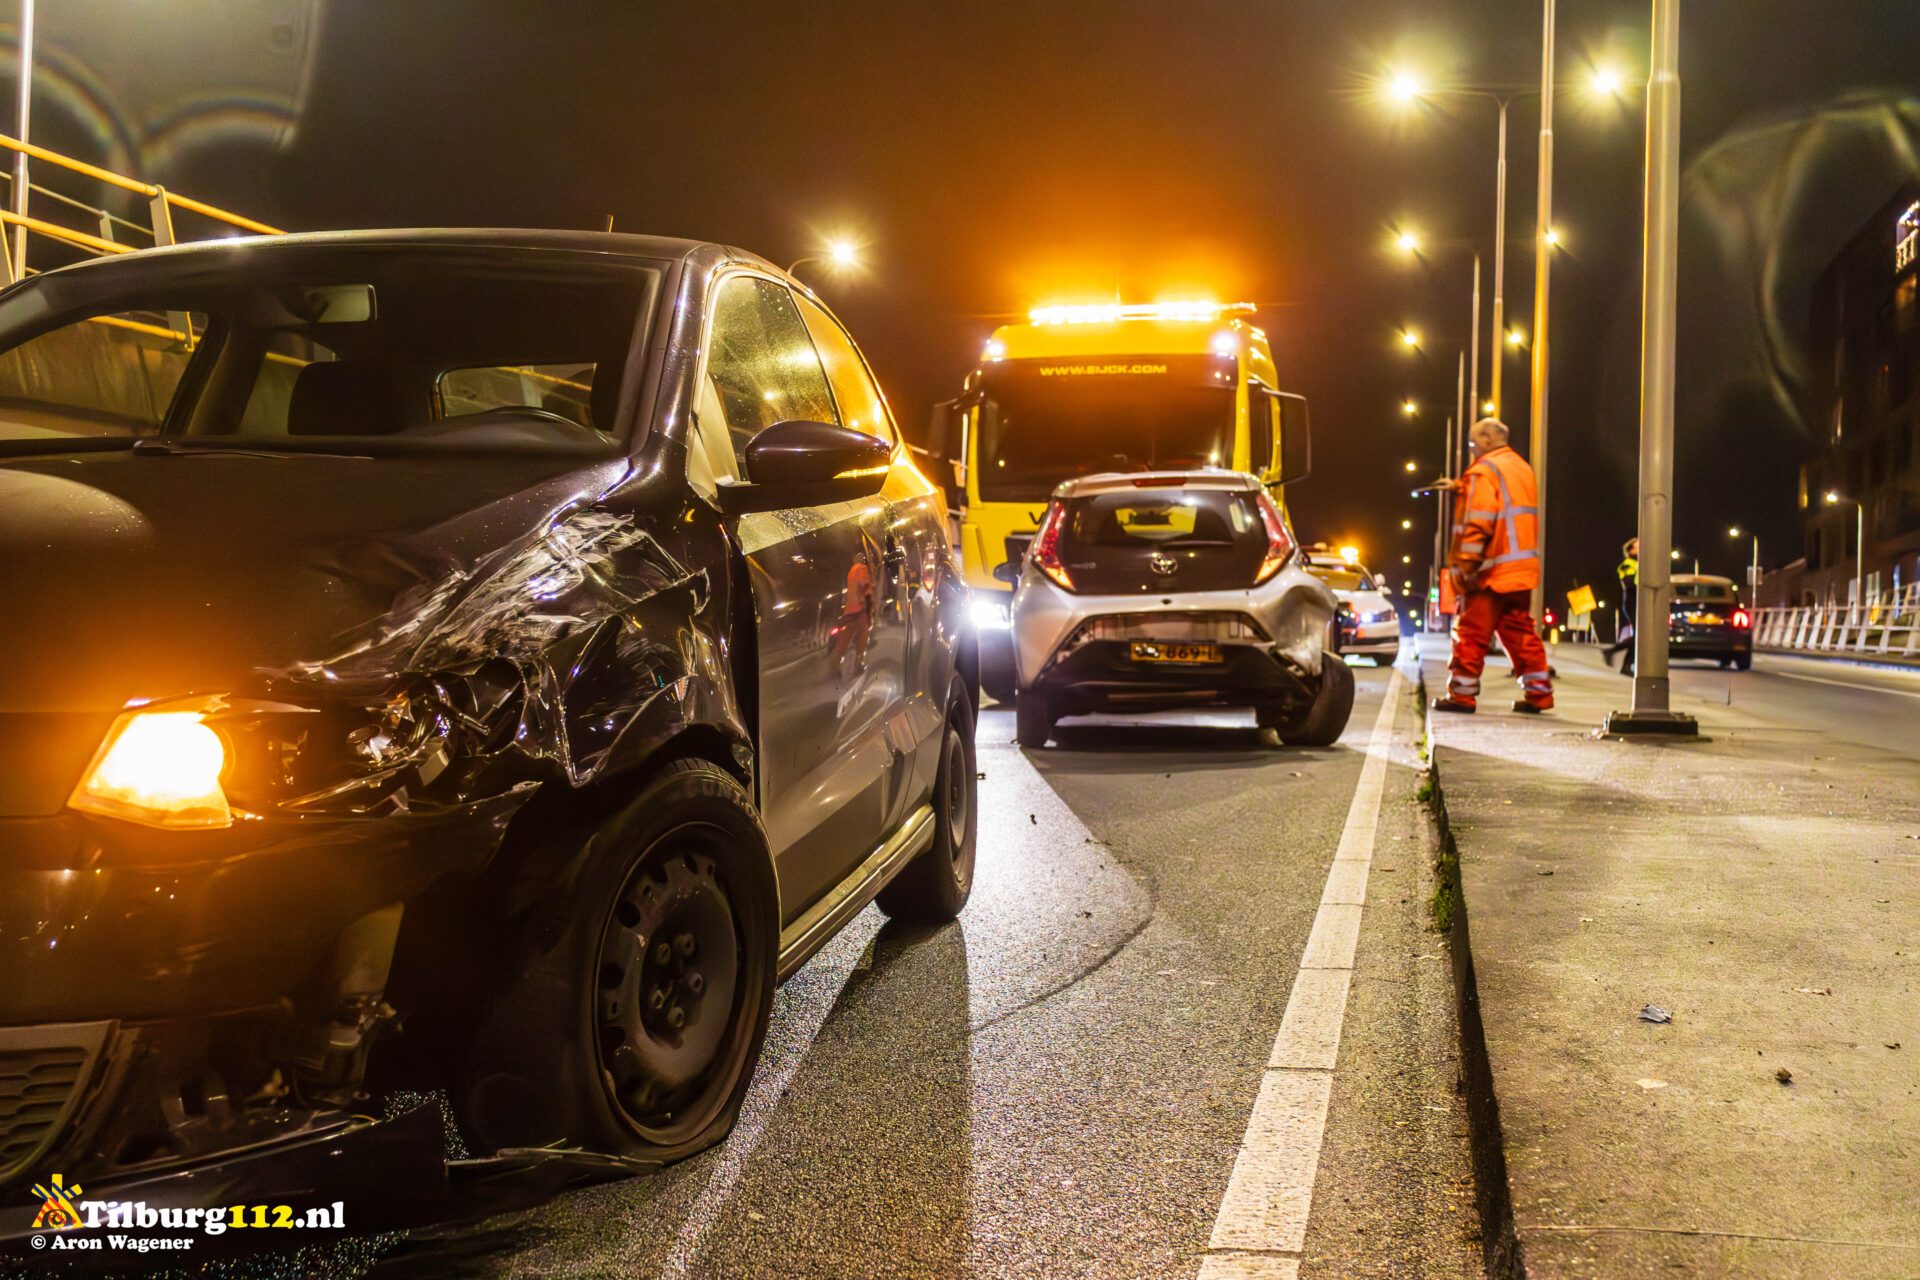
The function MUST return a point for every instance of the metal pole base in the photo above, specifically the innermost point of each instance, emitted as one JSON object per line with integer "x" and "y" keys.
{"x": 1676, "y": 724}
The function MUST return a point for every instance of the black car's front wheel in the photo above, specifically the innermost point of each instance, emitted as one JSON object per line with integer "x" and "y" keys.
{"x": 632, "y": 1013}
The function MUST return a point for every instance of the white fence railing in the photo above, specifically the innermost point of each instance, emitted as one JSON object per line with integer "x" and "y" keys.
{"x": 1889, "y": 625}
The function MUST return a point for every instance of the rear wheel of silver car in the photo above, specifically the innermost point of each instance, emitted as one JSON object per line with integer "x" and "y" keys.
{"x": 934, "y": 887}
{"x": 634, "y": 1025}
{"x": 1032, "y": 719}
{"x": 1322, "y": 722}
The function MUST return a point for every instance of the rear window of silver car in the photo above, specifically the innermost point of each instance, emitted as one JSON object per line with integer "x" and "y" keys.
{"x": 1164, "y": 517}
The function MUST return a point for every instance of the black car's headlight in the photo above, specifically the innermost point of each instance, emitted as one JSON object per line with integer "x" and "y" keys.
{"x": 203, "y": 763}
{"x": 161, "y": 767}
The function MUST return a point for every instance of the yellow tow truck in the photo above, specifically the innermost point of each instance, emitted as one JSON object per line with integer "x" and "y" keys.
{"x": 1079, "y": 390}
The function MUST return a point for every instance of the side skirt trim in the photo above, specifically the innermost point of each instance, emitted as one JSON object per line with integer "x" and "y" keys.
{"x": 799, "y": 940}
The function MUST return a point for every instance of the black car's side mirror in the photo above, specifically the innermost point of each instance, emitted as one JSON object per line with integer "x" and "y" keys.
{"x": 808, "y": 464}
{"x": 1296, "y": 438}
{"x": 1008, "y": 571}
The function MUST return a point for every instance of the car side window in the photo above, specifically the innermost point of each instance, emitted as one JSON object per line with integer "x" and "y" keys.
{"x": 861, "y": 405}
{"x": 761, "y": 365}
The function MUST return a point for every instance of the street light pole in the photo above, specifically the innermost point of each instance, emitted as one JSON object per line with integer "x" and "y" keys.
{"x": 23, "y": 108}
{"x": 1499, "y": 263}
{"x": 1474, "y": 343}
{"x": 1651, "y": 711}
{"x": 1542, "y": 267}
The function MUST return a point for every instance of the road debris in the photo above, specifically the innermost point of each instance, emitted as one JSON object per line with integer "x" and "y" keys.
{"x": 1650, "y": 1083}
{"x": 1814, "y": 991}
{"x": 1654, "y": 1013}
{"x": 1784, "y": 1076}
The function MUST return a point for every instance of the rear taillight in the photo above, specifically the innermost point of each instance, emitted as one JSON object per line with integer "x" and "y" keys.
{"x": 1045, "y": 551}
{"x": 1742, "y": 619}
{"x": 1279, "y": 541}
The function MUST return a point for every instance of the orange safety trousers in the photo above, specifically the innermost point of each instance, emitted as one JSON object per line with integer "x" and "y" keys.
{"x": 1483, "y": 615}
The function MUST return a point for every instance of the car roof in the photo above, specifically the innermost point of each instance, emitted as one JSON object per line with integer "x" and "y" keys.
{"x": 1706, "y": 579}
{"x": 1120, "y": 481}
{"x": 506, "y": 240}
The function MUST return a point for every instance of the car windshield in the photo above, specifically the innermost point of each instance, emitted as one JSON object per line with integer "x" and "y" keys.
{"x": 1716, "y": 592}
{"x": 375, "y": 352}
{"x": 1045, "y": 421}
{"x": 1347, "y": 579}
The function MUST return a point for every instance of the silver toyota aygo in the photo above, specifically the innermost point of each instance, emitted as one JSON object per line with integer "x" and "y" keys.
{"x": 1171, "y": 589}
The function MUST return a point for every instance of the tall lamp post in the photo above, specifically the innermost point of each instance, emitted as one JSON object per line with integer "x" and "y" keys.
{"x": 1834, "y": 499}
{"x": 1753, "y": 569}
{"x": 23, "y": 109}
{"x": 1652, "y": 712}
{"x": 1542, "y": 270}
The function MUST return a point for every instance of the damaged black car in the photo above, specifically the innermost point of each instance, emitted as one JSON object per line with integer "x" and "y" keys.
{"x": 462, "y": 667}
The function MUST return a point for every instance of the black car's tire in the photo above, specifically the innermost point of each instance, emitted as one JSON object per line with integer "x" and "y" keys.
{"x": 1325, "y": 719}
{"x": 1743, "y": 661}
{"x": 1032, "y": 719}
{"x": 934, "y": 887}
{"x": 632, "y": 1011}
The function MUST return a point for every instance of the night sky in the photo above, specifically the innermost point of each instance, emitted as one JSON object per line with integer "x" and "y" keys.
{"x": 995, "y": 156}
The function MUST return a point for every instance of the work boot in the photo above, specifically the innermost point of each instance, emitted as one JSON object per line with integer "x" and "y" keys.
{"x": 1449, "y": 704}
{"x": 1526, "y": 708}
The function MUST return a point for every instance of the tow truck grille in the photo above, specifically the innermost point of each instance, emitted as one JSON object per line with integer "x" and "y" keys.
{"x": 44, "y": 1072}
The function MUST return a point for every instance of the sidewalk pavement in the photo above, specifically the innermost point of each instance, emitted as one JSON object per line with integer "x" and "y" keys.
{"x": 1762, "y": 884}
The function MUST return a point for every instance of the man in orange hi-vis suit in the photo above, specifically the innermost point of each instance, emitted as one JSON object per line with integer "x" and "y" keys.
{"x": 1495, "y": 560}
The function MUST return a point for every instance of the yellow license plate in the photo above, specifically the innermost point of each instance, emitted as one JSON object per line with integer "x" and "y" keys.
{"x": 1158, "y": 651}
{"x": 1705, "y": 619}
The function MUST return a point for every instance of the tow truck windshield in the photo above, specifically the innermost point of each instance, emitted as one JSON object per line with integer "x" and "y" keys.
{"x": 1045, "y": 421}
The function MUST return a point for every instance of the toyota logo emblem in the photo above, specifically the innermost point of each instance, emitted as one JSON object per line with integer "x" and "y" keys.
{"x": 1162, "y": 563}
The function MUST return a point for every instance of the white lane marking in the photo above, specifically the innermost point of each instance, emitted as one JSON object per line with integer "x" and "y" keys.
{"x": 1848, "y": 684}
{"x": 1261, "y": 1228}
{"x": 1309, "y": 1035}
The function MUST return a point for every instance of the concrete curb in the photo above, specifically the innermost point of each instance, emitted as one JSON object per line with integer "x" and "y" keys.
{"x": 1500, "y": 1247}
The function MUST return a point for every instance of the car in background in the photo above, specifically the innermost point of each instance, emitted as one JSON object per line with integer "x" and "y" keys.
{"x": 1707, "y": 620}
{"x": 1369, "y": 625}
{"x": 460, "y": 664}
{"x": 1154, "y": 591}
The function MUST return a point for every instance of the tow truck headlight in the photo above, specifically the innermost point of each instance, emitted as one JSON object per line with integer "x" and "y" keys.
{"x": 991, "y": 615}
{"x": 159, "y": 768}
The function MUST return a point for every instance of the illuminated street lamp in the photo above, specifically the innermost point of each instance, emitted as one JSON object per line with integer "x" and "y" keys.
{"x": 1406, "y": 524}
{"x": 1409, "y": 407}
{"x": 1516, "y": 339}
{"x": 1834, "y": 499}
{"x": 1412, "y": 466}
{"x": 1405, "y": 87}
{"x": 1606, "y": 82}
{"x": 1410, "y": 339}
{"x": 1408, "y": 242}
{"x": 840, "y": 253}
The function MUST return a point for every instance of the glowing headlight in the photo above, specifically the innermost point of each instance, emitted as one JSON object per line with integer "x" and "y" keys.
{"x": 161, "y": 768}
{"x": 991, "y": 615}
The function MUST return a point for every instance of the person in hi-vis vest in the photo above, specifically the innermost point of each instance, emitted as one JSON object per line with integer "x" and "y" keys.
{"x": 1495, "y": 562}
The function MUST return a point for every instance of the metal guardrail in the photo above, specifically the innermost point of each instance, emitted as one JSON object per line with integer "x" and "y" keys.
{"x": 161, "y": 206}
{"x": 1888, "y": 626}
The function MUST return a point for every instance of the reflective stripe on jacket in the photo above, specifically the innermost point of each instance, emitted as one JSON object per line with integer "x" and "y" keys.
{"x": 1496, "y": 538}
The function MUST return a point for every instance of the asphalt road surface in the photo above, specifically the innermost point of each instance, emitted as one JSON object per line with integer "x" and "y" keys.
{"x": 1061, "y": 1083}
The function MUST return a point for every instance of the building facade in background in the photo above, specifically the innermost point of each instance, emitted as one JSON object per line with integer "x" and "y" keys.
{"x": 1863, "y": 402}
